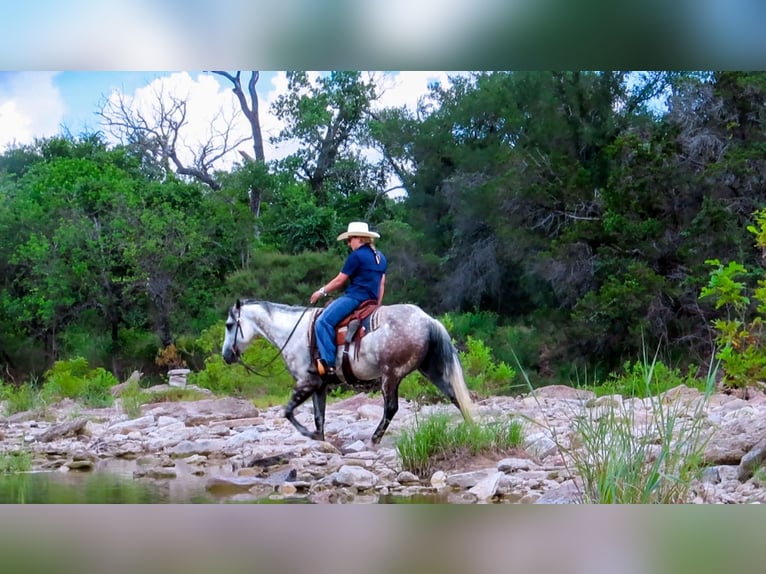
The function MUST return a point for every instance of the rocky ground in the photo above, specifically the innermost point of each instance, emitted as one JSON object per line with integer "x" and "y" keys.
{"x": 248, "y": 453}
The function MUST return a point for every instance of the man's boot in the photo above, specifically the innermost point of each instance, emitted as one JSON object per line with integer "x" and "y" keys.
{"x": 320, "y": 367}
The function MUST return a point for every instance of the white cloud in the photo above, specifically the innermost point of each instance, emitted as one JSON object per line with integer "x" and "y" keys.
{"x": 30, "y": 107}
{"x": 209, "y": 110}
{"x": 406, "y": 88}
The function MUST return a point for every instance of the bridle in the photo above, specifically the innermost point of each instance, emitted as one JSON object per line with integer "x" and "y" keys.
{"x": 238, "y": 354}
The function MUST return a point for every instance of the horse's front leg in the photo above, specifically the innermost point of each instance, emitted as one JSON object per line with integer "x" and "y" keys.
{"x": 303, "y": 389}
{"x": 390, "y": 390}
{"x": 320, "y": 400}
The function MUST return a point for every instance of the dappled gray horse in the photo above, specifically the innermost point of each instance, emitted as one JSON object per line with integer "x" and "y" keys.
{"x": 405, "y": 339}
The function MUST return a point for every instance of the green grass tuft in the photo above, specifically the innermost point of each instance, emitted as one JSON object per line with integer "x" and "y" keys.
{"x": 434, "y": 440}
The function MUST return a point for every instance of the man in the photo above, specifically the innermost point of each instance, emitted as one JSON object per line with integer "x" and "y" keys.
{"x": 365, "y": 272}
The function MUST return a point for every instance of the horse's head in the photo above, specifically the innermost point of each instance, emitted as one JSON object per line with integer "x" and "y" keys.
{"x": 238, "y": 334}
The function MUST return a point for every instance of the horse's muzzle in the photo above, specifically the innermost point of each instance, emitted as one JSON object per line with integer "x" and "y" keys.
{"x": 230, "y": 356}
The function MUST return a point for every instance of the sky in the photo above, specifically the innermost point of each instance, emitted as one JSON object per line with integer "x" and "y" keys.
{"x": 37, "y": 104}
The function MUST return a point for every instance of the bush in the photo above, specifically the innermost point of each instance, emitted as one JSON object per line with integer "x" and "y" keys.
{"x": 482, "y": 373}
{"x": 479, "y": 325}
{"x": 288, "y": 279}
{"x": 19, "y": 399}
{"x": 637, "y": 381}
{"x": 235, "y": 380}
{"x": 75, "y": 379}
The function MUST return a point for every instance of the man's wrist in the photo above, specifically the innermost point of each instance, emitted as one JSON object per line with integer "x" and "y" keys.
{"x": 322, "y": 292}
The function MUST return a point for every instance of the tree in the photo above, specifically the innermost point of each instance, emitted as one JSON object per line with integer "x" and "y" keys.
{"x": 157, "y": 130}
{"x": 251, "y": 112}
{"x": 249, "y": 109}
{"x": 326, "y": 117}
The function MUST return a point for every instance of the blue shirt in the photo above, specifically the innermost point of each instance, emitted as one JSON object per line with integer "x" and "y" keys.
{"x": 364, "y": 273}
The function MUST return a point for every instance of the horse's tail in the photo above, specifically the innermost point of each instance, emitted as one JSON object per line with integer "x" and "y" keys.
{"x": 442, "y": 366}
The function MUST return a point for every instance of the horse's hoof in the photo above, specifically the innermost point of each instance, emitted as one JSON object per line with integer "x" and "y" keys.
{"x": 317, "y": 436}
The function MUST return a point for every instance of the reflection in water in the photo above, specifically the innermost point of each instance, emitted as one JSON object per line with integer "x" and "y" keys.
{"x": 117, "y": 486}
{"x": 96, "y": 488}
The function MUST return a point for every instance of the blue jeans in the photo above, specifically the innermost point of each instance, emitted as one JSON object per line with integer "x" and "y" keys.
{"x": 333, "y": 314}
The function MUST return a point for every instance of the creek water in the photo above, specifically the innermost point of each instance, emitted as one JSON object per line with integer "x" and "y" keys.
{"x": 115, "y": 484}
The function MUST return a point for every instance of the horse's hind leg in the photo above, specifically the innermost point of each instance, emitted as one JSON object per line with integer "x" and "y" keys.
{"x": 303, "y": 390}
{"x": 390, "y": 389}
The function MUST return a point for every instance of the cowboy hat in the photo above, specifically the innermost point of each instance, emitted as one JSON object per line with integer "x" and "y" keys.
{"x": 357, "y": 229}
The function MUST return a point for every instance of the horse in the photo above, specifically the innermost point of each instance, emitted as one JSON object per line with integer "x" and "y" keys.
{"x": 406, "y": 338}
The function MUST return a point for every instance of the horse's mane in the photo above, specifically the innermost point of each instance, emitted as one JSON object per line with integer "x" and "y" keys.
{"x": 271, "y": 306}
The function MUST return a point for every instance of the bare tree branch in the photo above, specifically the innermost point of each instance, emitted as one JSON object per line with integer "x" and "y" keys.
{"x": 158, "y": 135}
{"x": 249, "y": 109}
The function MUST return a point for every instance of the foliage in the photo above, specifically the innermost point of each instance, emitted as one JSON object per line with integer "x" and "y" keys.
{"x": 170, "y": 358}
{"x": 623, "y": 458}
{"x": 19, "y": 398}
{"x": 567, "y": 214}
{"x": 16, "y": 461}
{"x": 288, "y": 279}
{"x": 75, "y": 379}
{"x": 482, "y": 374}
{"x": 235, "y": 380}
{"x": 739, "y": 336}
{"x": 635, "y": 381}
{"x": 133, "y": 397}
{"x": 434, "y": 441}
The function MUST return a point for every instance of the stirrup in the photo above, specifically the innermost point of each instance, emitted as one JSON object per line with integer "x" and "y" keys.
{"x": 320, "y": 368}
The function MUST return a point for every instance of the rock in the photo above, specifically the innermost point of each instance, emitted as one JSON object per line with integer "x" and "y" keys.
{"x": 356, "y": 446}
{"x": 158, "y": 472}
{"x": 238, "y": 441}
{"x": 370, "y": 412}
{"x": 117, "y": 390}
{"x": 438, "y": 479}
{"x": 563, "y": 392}
{"x": 126, "y": 427}
{"x": 540, "y": 445}
{"x": 359, "y": 478}
{"x": 235, "y": 483}
{"x": 253, "y": 453}
{"x": 406, "y": 477}
{"x": 80, "y": 464}
{"x": 203, "y": 446}
{"x": 204, "y": 411}
{"x": 466, "y": 480}
{"x": 752, "y": 460}
{"x": 63, "y": 429}
{"x": 287, "y": 489}
{"x": 177, "y": 377}
{"x": 514, "y": 464}
{"x": 486, "y": 488}
{"x": 567, "y": 493}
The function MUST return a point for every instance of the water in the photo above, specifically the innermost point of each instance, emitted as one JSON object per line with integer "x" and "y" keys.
{"x": 116, "y": 485}
{"x": 95, "y": 488}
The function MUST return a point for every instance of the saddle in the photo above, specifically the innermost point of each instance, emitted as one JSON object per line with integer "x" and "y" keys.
{"x": 350, "y": 329}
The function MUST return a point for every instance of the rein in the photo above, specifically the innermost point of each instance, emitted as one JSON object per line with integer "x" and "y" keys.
{"x": 238, "y": 330}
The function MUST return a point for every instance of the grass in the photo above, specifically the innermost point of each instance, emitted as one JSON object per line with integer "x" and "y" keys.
{"x": 133, "y": 397}
{"x": 623, "y": 458}
{"x": 21, "y": 398}
{"x": 18, "y": 461}
{"x": 435, "y": 440}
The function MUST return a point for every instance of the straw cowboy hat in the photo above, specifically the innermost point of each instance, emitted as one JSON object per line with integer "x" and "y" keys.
{"x": 357, "y": 229}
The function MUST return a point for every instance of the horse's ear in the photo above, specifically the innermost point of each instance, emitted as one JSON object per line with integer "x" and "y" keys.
{"x": 239, "y": 304}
